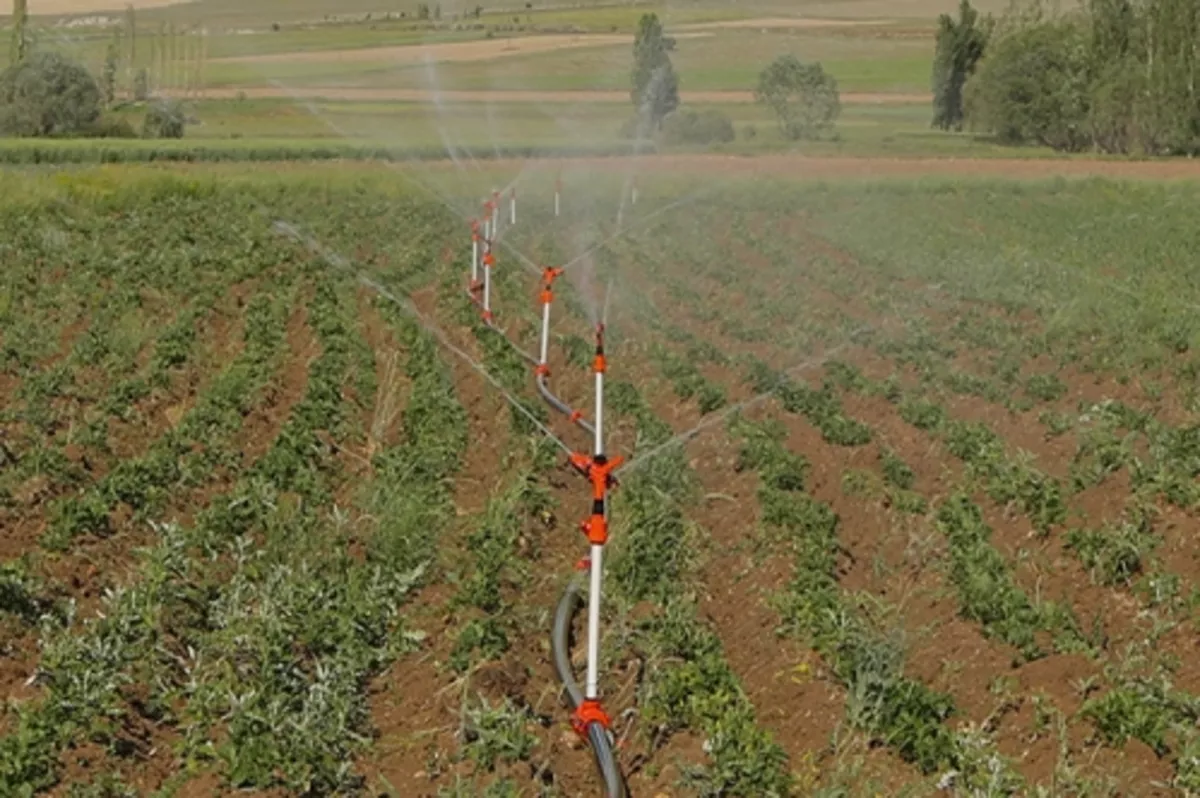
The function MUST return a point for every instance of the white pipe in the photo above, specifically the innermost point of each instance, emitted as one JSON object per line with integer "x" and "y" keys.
{"x": 474, "y": 260}
{"x": 556, "y": 203}
{"x": 487, "y": 288}
{"x": 513, "y": 206}
{"x": 599, "y": 412}
{"x": 593, "y": 662}
{"x": 545, "y": 331}
{"x": 487, "y": 228}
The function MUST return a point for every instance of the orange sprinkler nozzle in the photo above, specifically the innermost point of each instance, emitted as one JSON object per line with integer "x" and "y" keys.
{"x": 489, "y": 259}
{"x": 542, "y": 370}
{"x": 586, "y": 714}
{"x": 487, "y": 316}
{"x": 600, "y": 364}
{"x": 575, "y": 416}
{"x": 599, "y": 470}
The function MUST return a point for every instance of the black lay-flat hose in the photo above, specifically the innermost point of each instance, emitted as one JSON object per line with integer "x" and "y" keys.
{"x": 598, "y": 736}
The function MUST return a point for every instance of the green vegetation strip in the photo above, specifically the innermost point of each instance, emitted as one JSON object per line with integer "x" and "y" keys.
{"x": 689, "y": 683}
{"x": 895, "y": 710}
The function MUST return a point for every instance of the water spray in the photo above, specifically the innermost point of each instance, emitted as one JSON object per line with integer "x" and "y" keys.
{"x": 495, "y": 213}
{"x": 633, "y": 196}
{"x": 557, "y": 196}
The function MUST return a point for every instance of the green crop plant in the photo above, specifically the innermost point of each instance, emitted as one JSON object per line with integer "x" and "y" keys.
{"x": 895, "y": 471}
{"x": 496, "y": 734}
{"x": 494, "y": 571}
{"x": 987, "y": 592}
{"x": 1114, "y": 554}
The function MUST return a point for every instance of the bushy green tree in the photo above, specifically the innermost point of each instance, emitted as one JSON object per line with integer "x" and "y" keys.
{"x": 165, "y": 120}
{"x": 1033, "y": 87}
{"x": 803, "y": 96}
{"x": 960, "y": 46}
{"x": 697, "y": 127}
{"x": 1116, "y": 76}
{"x": 655, "y": 90}
{"x": 48, "y": 94}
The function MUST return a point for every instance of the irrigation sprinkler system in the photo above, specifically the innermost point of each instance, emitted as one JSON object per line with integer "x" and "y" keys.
{"x": 588, "y": 717}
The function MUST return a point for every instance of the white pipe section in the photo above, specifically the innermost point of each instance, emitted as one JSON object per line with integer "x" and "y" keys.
{"x": 513, "y": 207}
{"x": 474, "y": 260}
{"x": 556, "y": 203}
{"x": 487, "y": 288}
{"x": 599, "y": 413}
{"x": 593, "y": 662}
{"x": 487, "y": 228}
{"x": 545, "y": 331}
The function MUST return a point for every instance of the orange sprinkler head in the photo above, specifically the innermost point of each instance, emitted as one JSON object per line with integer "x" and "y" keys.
{"x": 549, "y": 274}
{"x": 600, "y": 364}
{"x": 542, "y": 370}
{"x": 489, "y": 259}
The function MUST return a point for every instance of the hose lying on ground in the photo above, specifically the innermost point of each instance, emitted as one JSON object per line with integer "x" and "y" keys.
{"x": 598, "y": 736}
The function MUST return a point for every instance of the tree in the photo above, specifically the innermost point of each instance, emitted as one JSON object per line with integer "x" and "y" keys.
{"x": 1034, "y": 87}
{"x": 20, "y": 45}
{"x": 141, "y": 85}
{"x": 131, "y": 53}
{"x": 112, "y": 64}
{"x": 655, "y": 85}
{"x": 803, "y": 96}
{"x": 164, "y": 120}
{"x": 960, "y": 46}
{"x": 48, "y": 94}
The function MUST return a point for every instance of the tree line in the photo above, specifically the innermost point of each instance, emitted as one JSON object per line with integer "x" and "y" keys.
{"x": 1114, "y": 76}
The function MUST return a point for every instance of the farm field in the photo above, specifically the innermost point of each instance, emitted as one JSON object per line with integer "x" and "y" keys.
{"x": 909, "y": 503}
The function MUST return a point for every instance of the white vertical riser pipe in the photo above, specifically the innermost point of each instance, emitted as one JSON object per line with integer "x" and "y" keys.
{"x": 545, "y": 332}
{"x": 513, "y": 208}
{"x": 593, "y": 663}
{"x": 487, "y": 288}
{"x": 597, "y": 556}
{"x": 474, "y": 260}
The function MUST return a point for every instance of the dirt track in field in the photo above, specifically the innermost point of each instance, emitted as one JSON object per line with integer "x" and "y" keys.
{"x": 53, "y": 7}
{"x": 359, "y": 94}
{"x": 446, "y": 52}
{"x": 832, "y": 167}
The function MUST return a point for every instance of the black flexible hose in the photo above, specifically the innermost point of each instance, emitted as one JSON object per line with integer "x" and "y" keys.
{"x": 598, "y": 736}
{"x": 561, "y": 406}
